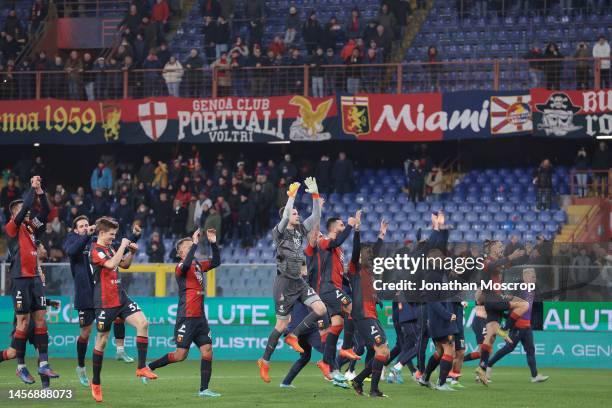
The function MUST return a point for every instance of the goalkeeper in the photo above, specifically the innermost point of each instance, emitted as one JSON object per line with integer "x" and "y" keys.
{"x": 289, "y": 236}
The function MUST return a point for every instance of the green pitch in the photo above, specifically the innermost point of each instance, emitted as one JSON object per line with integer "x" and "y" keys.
{"x": 240, "y": 386}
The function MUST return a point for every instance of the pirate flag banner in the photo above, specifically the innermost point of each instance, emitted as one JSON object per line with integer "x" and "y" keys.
{"x": 572, "y": 114}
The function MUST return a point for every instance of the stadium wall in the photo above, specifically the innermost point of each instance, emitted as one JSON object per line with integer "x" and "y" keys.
{"x": 576, "y": 334}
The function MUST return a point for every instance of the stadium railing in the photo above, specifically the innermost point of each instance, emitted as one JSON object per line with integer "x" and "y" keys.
{"x": 407, "y": 77}
{"x": 598, "y": 183}
{"x": 144, "y": 279}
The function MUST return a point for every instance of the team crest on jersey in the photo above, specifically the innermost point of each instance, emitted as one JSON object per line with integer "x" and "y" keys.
{"x": 19, "y": 305}
{"x": 378, "y": 339}
{"x": 297, "y": 240}
{"x": 100, "y": 325}
{"x": 179, "y": 338}
{"x": 345, "y": 300}
{"x": 199, "y": 277}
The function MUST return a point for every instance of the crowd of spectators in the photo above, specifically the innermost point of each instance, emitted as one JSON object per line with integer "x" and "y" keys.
{"x": 169, "y": 199}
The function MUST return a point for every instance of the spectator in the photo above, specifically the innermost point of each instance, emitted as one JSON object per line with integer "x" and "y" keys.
{"x": 211, "y": 8}
{"x": 240, "y": 47}
{"x": 373, "y": 76}
{"x": 435, "y": 181}
{"x": 582, "y": 66}
{"x": 601, "y": 49}
{"x": 369, "y": 32}
{"x": 287, "y": 169}
{"x": 101, "y": 178}
{"x": 342, "y": 174}
{"x": 209, "y": 32}
{"x": 581, "y": 166}
{"x": 213, "y": 221}
{"x": 114, "y": 79}
{"x": 292, "y": 24}
{"x": 543, "y": 181}
{"x": 246, "y": 216}
{"x": 37, "y": 15}
{"x": 89, "y": 76}
{"x": 12, "y": 23}
{"x": 224, "y": 210}
{"x": 580, "y": 268}
{"x": 124, "y": 181}
{"x": 151, "y": 75}
{"x": 183, "y": 196}
{"x": 159, "y": 17}
{"x": 383, "y": 39}
{"x": 353, "y": 72}
{"x": 162, "y": 213}
{"x": 256, "y": 33}
{"x": 323, "y": 174}
{"x": 163, "y": 54}
{"x": 601, "y": 164}
{"x": 433, "y": 69}
{"x": 277, "y": 46}
{"x": 316, "y": 71}
{"x": 124, "y": 214}
{"x": 416, "y": 181}
{"x": 128, "y": 67}
{"x": 258, "y": 76}
{"x": 535, "y": 67}
{"x": 194, "y": 74}
{"x": 149, "y": 35}
{"x": 25, "y": 80}
{"x": 311, "y": 31}
{"x": 222, "y": 37}
{"x": 140, "y": 49}
{"x": 296, "y": 76}
{"x": 173, "y": 74}
{"x": 74, "y": 69}
{"x": 387, "y": 19}
{"x": 332, "y": 34}
{"x": 131, "y": 22}
{"x": 552, "y": 68}
{"x": 254, "y": 10}
{"x": 227, "y": 9}
{"x": 146, "y": 173}
{"x": 355, "y": 26}
{"x": 160, "y": 181}
{"x": 100, "y": 76}
{"x": 9, "y": 193}
{"x": 156, "y": 249}
{"x": 100, "y": 204}
{"x": 224, "y": 79}
{"x": 10, "y": 48}
{"x": 202, "y": 206}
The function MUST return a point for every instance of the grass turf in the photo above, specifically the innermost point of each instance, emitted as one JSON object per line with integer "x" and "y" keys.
{"x": 240, "y": 386}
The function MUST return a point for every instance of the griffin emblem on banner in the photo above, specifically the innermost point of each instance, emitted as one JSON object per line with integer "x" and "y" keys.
{"x": 355, "y": 115}
{"x": 111, "y": 121}
{"x": 309, "y": 124}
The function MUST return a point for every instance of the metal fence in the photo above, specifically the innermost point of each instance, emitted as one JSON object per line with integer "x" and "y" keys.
{"x": 308, "y": 80}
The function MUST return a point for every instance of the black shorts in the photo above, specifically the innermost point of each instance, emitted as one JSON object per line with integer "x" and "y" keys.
{"x": 459, "y": 340}
{"x": 106, "y": 317}
{"x": 495, "y": 306}
{"x": 28, "y": 295}
{"x": 189, "y": 330}
{"x": 86, "y": 317}
{"x": 288, "y": 291}
{"x": 445, "y": 339}
{"x": 372, "y": 332}
{"x": 334, "y": 301}
{"x": 479, "y": 325}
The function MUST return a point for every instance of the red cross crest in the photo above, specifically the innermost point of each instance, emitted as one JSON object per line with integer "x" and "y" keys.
{"x": 153, "y": 117}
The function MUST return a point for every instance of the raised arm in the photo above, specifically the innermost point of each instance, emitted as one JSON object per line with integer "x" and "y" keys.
{"x": 41, "y": 219}
{"x": 215, "y": 261}
{"x": 116, "y": 259}
{"x": 338, "y": 241}
{"x": 315, "y": 217}
{"x": 282, "y": 224}
{"x": 186, "y": 264}
{"x": 75, "y": 244}
{"x": 384, "y": 224}
{"x": 12, "y": 227}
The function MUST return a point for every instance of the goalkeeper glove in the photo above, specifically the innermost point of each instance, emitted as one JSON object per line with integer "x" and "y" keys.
{"x": 293, "y": 188}
{"x": 311, "y": 185}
